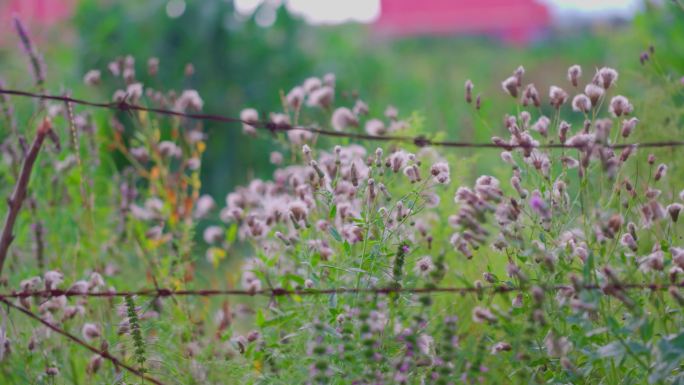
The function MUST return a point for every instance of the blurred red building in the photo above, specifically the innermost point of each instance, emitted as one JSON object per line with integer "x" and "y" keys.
{"x": 517, "y": 21}
{"x": 33, "y": 13}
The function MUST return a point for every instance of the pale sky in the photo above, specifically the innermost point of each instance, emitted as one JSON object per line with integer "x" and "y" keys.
{"x": 365, "y": 11}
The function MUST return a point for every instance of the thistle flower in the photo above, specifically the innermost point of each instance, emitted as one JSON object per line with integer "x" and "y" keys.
{"x": 558, "y": 96}
{"x": 605, "y": 77}
{"x": 299, "y": 136}
{"x": 295, "y": 97}
{"x": 661, "y": 171}
{"x": 92, "y": 78}
{"x": 360, "y": 108}
{"x": 440, "y": 172}
{"x": 343, "y": 118}
{"x": 53, "y": 279}
{"x": 501, "y": 347}
{"x": 510, "y": 86}
{"x": 594, "y": 92}
{"x": 557, "y": 346}
{"x": 628, "y": 241}
{"x": 424, "y": 266}
{"x": 653, "y": 262}
{"x": 249, "y": 118}
{"x": 539, "y": 206}
{"x": 213, "y": 234}
{"x": 321, "y": 97}
{"x": 169, "y": 149}
{"x": 531, "y": 95}
{"x": 311, "y": 84}
{"x": 469, "y": 91}
{"x": 574, "y": 73}
{"x": 91, "y": 331}
{"x": 518, "y": 74}
{"x": 581, "y": 103}
{"x": 153, "y": 66}
{"x": 628, "y": 126}
{"x": 482, "y": 314}
{"x": 542, "y": 126}
{"x": 375, "y": 127}
{"x": 674, "y": 209}
{"x": 189, "y": 100}
{"x": 619, "y": 105}
{"x": 94, "y": 364}
{"x": 205, "y": 204}
{"x": 412, "y": 173}
{"x": 329, "y": 79}
{"x": 391, "y": 112}
{"x": 276, "y": 158}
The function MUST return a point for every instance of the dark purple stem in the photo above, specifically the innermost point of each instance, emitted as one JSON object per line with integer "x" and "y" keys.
{"x": 18, "y": 196}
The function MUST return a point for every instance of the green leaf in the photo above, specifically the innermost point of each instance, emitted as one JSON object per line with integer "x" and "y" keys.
{"x": 335, "y": 234}
{"x": 231, "y": 234}
{"x": 259, "y": 319}
{"x": 333, "y": 211}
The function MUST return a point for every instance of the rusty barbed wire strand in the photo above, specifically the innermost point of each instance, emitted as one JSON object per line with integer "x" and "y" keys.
{"x": 102, "y": 353}
{"x": 420, "y": 141}
{"x": 277, "y": 292}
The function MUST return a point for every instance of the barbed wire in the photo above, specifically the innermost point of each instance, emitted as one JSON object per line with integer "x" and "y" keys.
{"x": 420, "y": 141}
{"x": 101, "y": 352}
{"x": 277, "y": 292}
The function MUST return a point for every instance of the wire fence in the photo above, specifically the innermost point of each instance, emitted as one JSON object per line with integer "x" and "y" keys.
{"x": 420, "y": 141}
{"x": 277, "y": 292}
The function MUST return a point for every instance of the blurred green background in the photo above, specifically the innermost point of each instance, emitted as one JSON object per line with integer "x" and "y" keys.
{"x": 239, "y": 64}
